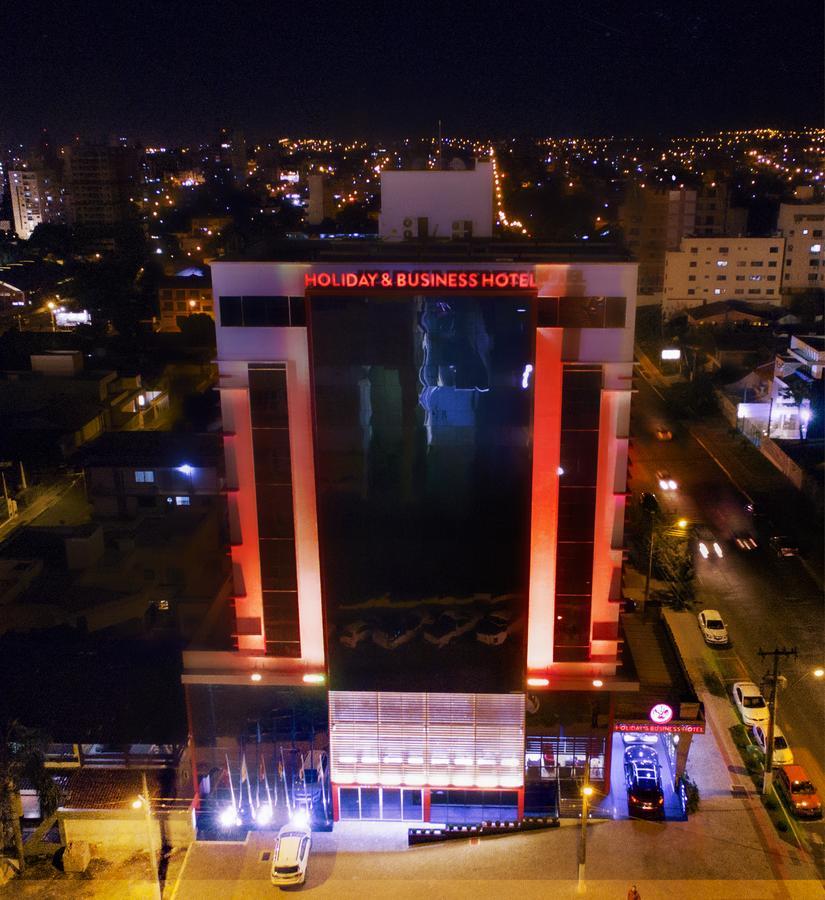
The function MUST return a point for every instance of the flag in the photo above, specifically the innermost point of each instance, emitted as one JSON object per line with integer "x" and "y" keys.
{"x": 262, "y": 774}
{"x": 245, "y": 778}
{"x": 231, "y": 787}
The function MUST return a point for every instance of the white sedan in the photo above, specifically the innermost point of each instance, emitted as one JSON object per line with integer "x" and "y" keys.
{"x": 750, "y": 703}
{"x": 712, "y": 627}
{"x": 291, "y": 854}
{"x": 782, "y": 753}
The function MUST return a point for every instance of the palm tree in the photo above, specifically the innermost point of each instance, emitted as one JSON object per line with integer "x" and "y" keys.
{"x": 22, "y": 758}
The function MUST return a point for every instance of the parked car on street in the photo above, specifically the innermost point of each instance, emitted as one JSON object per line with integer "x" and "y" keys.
{"x": 782, "y": 545}
{"x": 799, "y": 791}
{"x": 713, "y": 628}
{"x": 447, "y": 627}
{"x": 643, "y": 780}
{"x": 750, "y": 703}
{"x": 782, "y": 754}
{"x": 291, "y": 854}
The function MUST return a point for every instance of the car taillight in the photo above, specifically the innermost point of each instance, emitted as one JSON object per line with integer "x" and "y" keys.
{"x": 661, "y": 801}
{"x": 634, "y": 799}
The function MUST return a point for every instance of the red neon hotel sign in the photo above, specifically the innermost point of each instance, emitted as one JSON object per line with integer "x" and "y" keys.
{"x": 421, "y": 280}
{"x": 672, "y": 727}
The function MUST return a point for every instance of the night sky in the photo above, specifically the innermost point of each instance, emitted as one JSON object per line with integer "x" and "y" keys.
{"x": 172, "y": 70}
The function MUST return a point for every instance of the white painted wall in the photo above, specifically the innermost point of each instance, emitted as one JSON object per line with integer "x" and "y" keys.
{"x": 445, "y": 198}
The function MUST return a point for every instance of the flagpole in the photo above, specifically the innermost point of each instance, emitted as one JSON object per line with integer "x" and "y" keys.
{"x": 231, "y": 786}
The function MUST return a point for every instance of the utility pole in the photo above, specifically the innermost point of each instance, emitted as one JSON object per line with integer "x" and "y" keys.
{"x": 587, "y": 793}
{"x": 777, "y": 653}
{"x": 150, "y": 837}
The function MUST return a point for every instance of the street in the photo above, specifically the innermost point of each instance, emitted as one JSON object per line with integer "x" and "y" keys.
{"x": 765, "y": 601}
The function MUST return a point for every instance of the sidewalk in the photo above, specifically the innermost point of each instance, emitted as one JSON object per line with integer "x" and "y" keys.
{"x": 715, "y": 765}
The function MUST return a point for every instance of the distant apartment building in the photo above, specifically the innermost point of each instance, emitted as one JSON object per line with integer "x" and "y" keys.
{"x": 321, "y": 201}
{"x": 100, "y": 184}
{"x": 715, "y": 217}
{"x": 452, "y": 204}
{"x": 35, "y": 198}
{"x": 180, "y": 297}
{"x": 654, "y": 221}
{"x": 708, "y": 269}
{"x": 803, "y": 226}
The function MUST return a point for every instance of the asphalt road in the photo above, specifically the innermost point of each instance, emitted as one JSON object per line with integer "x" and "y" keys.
{"x": 765, "y": 601}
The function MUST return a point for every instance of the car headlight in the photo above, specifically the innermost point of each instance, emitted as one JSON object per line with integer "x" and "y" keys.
{"x": 717, "y": 549}
{"x": 663, "y": 484}
{"x": 703, "y": 549}
{"x": 672, "y": 484}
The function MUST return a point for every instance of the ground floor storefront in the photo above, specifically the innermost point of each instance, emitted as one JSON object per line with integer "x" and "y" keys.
{"x": 445, "y": 806}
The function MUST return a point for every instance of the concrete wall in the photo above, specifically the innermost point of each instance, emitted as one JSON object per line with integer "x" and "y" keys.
{"x": 106, "y": 830}
{"x": 442, "y": 197}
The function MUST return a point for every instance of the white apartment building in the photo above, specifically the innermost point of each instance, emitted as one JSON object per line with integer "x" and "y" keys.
{"x": 453, "y": 203}
{"x": 707, "y": 269}
{"x": 803, "y": 226}
{"x": 26, "y": 201}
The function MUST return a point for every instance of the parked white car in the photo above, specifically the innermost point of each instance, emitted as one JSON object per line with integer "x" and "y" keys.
{"x": 750, "y": 703}
{"x": 712, "y": 627}
{"x": 782, "y": 753}
{"x": 291, "y": 854}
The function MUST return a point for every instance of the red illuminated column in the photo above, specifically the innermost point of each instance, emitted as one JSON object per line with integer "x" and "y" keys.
{"x": 605, "y": 558}
{"x": 545, "y": 497}
{"x": 426, "y": 804}
{"x": 335, "y": 811}
{"x": 520, "y": 803}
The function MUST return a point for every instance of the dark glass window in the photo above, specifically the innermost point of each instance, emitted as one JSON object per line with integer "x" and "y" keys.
{"x": 370, "y": 803}
{"x": 348, "y": 806}
{"x": 297, "y": 311}
{"x": 391, "y": 803}
{"x": 231, "y": 311}
{"x": 423, "y": 472}
{"x": 273, "y": 492}
{"x": 577, "y": 511}
{"x": 265, "y": 311}
{"x": 572, "y": 626}
{"x": 278, "y": 571}
{"x": 574, "y": 568}
{"x": 272, "y": 458}
{"x": 579, "y": 457}
{"x": 413, "y": 807}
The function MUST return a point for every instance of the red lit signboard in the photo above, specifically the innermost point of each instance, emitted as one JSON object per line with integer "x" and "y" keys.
{"x": 391, "y": 279}
{"x": 672, "y": 727}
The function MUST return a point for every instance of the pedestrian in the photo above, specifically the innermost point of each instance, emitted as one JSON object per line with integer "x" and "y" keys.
{"x": 633, "y": 894}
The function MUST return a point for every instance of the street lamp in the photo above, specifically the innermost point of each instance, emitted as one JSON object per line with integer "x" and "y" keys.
{"x": 52, "y": 307}
{"x": 773, "y": 705}
{"x": 587, "y": 793}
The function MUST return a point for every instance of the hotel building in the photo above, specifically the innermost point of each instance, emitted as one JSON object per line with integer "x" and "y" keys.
{"x": 427, "y": 453}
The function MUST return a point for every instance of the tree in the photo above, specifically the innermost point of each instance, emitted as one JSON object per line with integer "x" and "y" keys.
{"x": 22, "y": 758}
{"x": 802, "y": 393}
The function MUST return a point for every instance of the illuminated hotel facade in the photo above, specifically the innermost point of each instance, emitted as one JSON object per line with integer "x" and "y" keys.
{"x": 427, "y": 467}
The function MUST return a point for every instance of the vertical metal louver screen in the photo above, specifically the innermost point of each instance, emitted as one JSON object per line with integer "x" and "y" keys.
{"x": 460, "y": 740}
